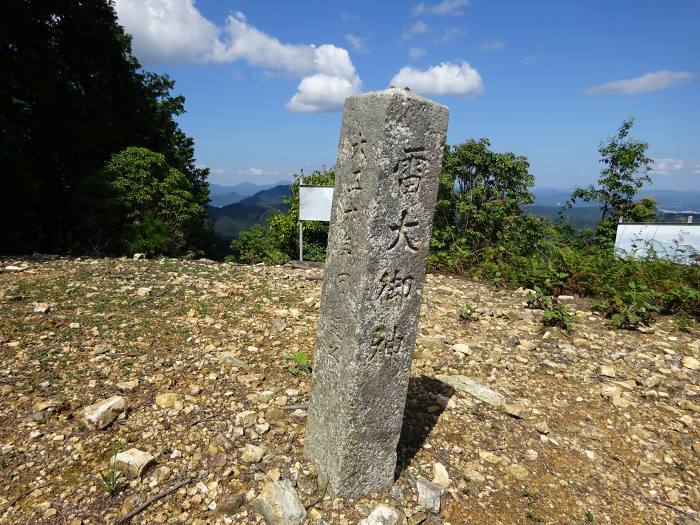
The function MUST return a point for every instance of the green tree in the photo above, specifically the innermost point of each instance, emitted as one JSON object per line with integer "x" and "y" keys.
{"x": 480, "y": 203}
{"x": 625, "y": 172}
{"x": 157, "y": 201}
{"x": 72, "y": 95}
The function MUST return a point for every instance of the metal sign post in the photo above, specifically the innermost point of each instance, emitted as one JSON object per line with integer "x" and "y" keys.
{"x": 314, "y": 205}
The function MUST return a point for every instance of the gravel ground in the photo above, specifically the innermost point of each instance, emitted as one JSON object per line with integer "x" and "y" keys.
{"x": 595, "y": 426}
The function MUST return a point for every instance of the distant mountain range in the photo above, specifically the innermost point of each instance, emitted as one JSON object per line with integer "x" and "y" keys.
{"x": 224, "y": 195}
{"x": 671, "y": 200}
{"x": 234, "y": 209}
{"x": 231, "y": 219}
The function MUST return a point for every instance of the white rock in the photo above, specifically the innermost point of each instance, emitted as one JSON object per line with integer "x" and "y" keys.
{"x": 607, "y": 371}
{"x": 133, "y": 461}
{"x": 104, "y": 412}
{"x": 384, "y": 515}
{"x": 169, "y": 400}
{"x": 246, "y": 418}
{"x": 279, "y": 504}
{"x": 462, "y": 348}
{"x": 252, "y": 453}
{"x": 479, "y": 391}
{"x": 42, "y": 308}
{"x": 440, "y": 475}
{"x": 691, "y": 363}
{"x": 128, "y": 386}
{"x": 139, "y": 256}
{"x": 429, "y": 494}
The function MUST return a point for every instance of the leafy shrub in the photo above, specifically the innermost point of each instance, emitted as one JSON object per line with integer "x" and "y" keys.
{"x": 632, "y": 308}
{"x": 680, "y": 298}
{"x": 537, "y": 299}
{"x": 559, "y": 315}
{"x": 256, "y": 246}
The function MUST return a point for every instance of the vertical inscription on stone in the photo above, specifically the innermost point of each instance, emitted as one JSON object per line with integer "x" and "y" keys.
{"x": 389, "y": 160}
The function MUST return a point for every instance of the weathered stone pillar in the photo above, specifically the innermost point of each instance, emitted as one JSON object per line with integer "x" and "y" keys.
{"x": 386, "y": 182}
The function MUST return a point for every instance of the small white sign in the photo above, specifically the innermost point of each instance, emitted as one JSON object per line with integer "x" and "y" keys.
{"x": 315, "y": 203}
{"x": 675, "y": 242}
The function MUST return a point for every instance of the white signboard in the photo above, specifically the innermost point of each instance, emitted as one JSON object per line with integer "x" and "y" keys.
{"x": 677, "y": 242}
{"x": 315, "y": 203}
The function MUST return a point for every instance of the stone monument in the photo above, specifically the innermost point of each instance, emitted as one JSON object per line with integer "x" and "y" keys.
{"x": 387, "y": 176}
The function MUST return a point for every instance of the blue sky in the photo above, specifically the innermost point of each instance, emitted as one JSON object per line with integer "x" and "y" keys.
{"x": 265, "y": 80}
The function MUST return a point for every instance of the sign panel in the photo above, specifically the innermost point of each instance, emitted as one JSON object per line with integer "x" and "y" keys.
{"x": 315, "y": 203}
{"x": 676, "y": 242}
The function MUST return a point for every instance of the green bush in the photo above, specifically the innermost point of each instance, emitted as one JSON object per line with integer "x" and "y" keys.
{"x": 632, "y": 308}
{"x": 559, "y": 315}
{"x": 256, "y": 246}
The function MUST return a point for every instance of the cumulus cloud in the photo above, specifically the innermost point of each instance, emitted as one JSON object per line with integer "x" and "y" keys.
{"x": 654, "y": 81}
{"x": 666, "y": 166}
{"x": 415, "y": 53}
{"x": 446, "y": 7}
{"x": 492, "y": 45}
{"x": 168, "y": 30}
{"x": 175, "y": 31}
{"x": 321, "y": 93}
{"x": 444, "y": 79}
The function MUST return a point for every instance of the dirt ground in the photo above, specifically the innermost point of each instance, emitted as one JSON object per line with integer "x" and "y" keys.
{"x": 599, "y": 425}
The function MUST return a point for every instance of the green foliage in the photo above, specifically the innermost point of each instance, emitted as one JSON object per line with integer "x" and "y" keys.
{"x": 480, "y": 229}
{"x": 111, "y": 482}
{"x": 559, "y": 315}
{"x": 623, "y": 158}
{"x": 149, "y": 205}
{"x": 479, "y": 207}
{"x": 71, "y": 96}
{"x": 631, "y": 308}
{"x": 537, "y": 299}
{"x": 256, "y": 246}
{"x": 300, "y": 363}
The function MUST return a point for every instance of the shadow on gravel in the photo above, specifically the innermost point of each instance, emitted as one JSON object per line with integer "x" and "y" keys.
{"x": 426, "y": 400}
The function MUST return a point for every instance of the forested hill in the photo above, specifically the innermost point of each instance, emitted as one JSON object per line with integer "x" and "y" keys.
{"x": 234, "y": 218}
{"x": 95, "y": 159}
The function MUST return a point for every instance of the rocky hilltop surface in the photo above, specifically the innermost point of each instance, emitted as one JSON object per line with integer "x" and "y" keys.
{"x": 177, "y": 375}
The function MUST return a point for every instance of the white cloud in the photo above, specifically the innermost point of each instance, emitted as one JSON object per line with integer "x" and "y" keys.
{"x": 357, "y": 43}
{"x": 415, "y": 53}
{"x": 444, "y": 79}
{"x": 168, "y": 30}
{"x": 666, "y": 166}
{"x": 492, "y": 45}
{"x": 416, "y": 29}
{"x": 321, "y": 93}
{"x": 654, "y": 81}
{"x": 175, "y": 31}
{"x": 446, "y": 7}
{"x": 696, "y": 171}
